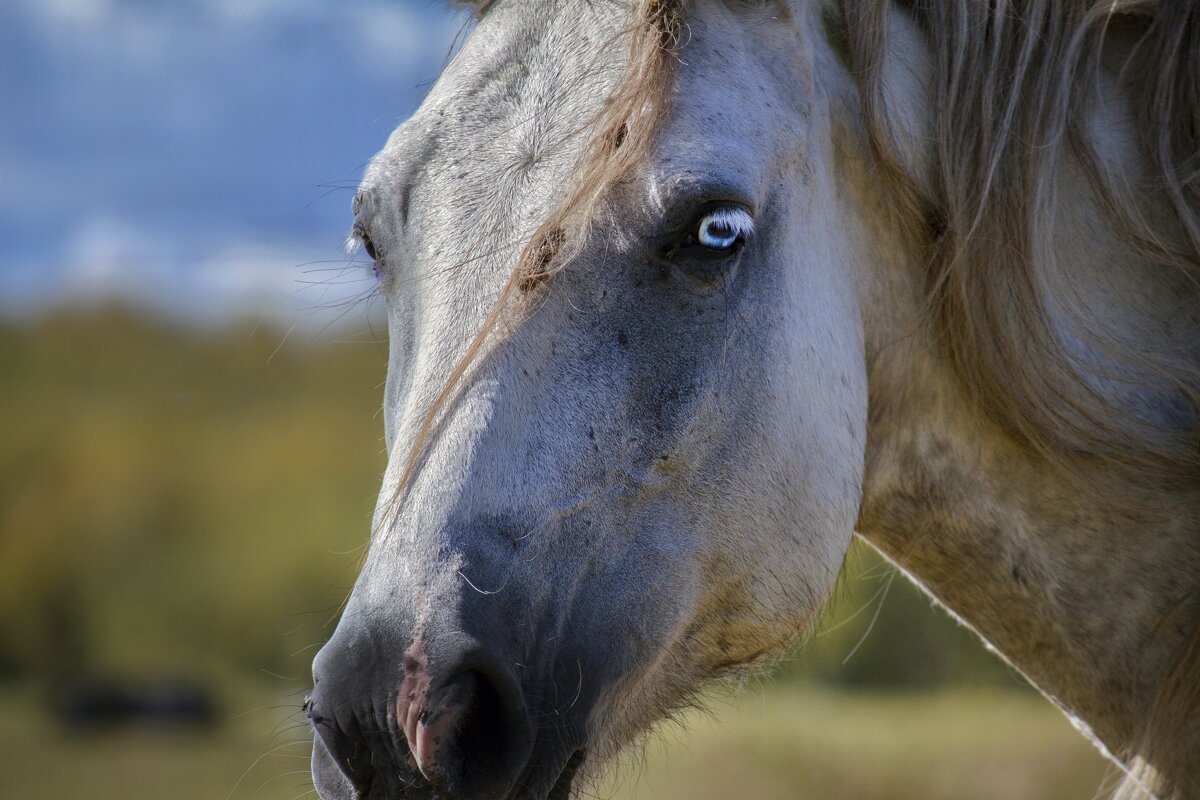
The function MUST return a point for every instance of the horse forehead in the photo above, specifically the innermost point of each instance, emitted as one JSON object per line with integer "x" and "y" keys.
{"x": 526, "y": 79}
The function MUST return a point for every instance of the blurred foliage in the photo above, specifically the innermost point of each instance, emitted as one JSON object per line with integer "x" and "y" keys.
{"x": 180, "y": 503}
{"x": 170, "y": 502}
{"x": 788, "y": 742}
{"x": 195, "y": 505}
{"x": 782, "y": 742}
{"x": 882, "y": 631}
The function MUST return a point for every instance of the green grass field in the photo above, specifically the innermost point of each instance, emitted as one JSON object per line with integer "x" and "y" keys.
{"x": 778, "y": 742}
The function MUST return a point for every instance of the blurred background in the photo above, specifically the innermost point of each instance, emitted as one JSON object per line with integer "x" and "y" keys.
{"x": 190, "y": 378}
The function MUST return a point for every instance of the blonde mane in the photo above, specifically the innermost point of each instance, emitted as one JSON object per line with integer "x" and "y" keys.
{"x": 1012, "y": 84}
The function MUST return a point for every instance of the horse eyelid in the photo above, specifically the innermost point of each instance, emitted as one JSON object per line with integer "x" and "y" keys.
{"x": 369, "y": 246}
{"x": 360, "y": 238}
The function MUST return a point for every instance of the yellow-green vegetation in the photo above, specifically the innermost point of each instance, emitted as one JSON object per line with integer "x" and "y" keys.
{"x": 260, "y": 751}
{"x": 774, "y": 743}
{"x": 181, "y": 502}
{"x": 784, "y": 743}
{"x": 174, "y": 502}
{"x": 183, "y": 505}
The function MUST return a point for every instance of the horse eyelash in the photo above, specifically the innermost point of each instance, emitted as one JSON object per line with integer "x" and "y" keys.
{"x": 359, "y": 238}
{"x": 737, "y": 218}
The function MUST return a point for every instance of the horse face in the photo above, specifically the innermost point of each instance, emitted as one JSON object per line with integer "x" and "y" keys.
{"x": 650, "y": 475}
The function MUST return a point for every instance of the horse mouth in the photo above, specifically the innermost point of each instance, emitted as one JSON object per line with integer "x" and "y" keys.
{"x": 331, "y": 784}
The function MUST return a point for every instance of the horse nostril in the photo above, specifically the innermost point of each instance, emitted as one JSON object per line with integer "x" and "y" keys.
{"x": 430, "y": 725}
{"x": 472, "y": 736}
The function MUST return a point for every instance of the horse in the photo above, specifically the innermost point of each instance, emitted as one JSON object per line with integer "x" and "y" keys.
{"x": 685, "y": 294}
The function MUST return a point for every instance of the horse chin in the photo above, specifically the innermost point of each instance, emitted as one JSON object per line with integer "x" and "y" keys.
{"x": 329, "y": 781}
{"x": 332, "y": 784}
{"x": 562, "y": 787}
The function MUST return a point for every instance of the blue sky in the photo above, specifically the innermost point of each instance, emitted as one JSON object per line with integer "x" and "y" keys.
{"x": 187, "y": 154}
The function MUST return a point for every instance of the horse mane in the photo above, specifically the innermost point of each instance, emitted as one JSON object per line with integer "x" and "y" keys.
{"x": 1013, "y": 82}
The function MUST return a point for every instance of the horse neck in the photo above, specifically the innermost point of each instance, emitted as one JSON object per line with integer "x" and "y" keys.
{"x": 1090, "y": 600}
{"x": 1094, "y": 598}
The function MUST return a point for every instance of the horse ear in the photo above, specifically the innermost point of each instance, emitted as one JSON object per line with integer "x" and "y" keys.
{"x": 476, "y": 6}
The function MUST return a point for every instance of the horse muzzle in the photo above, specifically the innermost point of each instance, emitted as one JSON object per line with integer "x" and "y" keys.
{"x": 449, "y": 721}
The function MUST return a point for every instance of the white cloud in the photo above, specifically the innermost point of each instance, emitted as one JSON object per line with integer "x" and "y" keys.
{"x": 74, "y": 12}
{"x": 172, "y": 150}
{"x": 312, "y": 287}
{"x": 394, "y": 35}
{"x": 396, "y": 38}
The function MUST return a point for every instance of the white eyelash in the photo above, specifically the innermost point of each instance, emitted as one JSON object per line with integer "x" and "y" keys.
{"x": 737, "y": 219}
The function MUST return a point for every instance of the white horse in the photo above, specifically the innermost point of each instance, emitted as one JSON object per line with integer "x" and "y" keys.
{"x": 684, "y": 293}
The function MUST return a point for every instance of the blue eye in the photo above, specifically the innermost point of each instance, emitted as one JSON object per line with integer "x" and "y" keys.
{"x": 722, "y": 228}
{"x": 711, "y": 241}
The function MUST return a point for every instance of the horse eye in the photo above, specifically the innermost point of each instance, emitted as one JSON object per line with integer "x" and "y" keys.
{"x": 723, "y": 228}
{"x": 368, "y": 245}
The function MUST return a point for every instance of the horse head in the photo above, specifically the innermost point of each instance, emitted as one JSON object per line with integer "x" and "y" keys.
{"x": 645, "y": 473}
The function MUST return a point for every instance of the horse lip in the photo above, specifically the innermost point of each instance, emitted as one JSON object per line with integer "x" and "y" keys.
{"x": 328, "y": 779}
